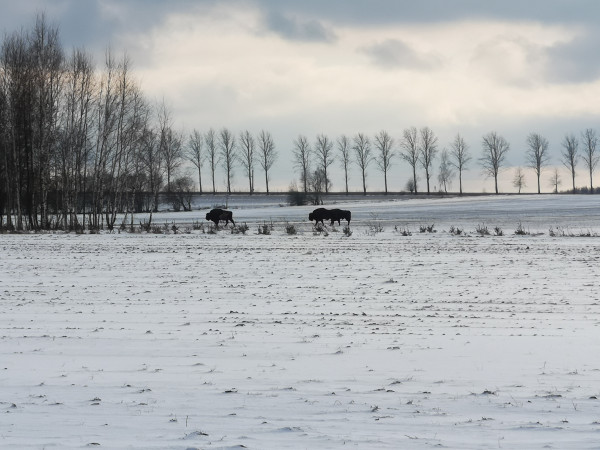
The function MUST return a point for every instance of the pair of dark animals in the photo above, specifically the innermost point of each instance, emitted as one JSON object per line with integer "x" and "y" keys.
{"x": 334, "y": 215}
{"x": 318, "y": 215}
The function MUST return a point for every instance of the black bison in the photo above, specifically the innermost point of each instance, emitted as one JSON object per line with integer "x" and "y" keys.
{"x": 336, "y": 215}
{"x": 319, "y": 215}
{"x": 217, "y": 214}
{"x": 333, "y": 215}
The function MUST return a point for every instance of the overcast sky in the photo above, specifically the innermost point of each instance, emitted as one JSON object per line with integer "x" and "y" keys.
{"x": 347, "y": 66}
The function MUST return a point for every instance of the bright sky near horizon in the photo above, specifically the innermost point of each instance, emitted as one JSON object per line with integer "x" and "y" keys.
{"x": 348, "y": 66}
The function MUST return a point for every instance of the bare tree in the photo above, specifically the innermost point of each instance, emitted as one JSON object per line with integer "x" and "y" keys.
{"x": 427, "y": 152}
{"x": 362, "y": 153}
{"x": 555, "y": 181}
{"x": 268, "y": 154}
{"x": 537, "y": 154}
{"x": 445, "y": 175}
{"x": 76, "y": 146}
{"x": 134, "y": 117}
{"x": 182, "y": 197}
{"x": 343, "y": 146}
{"x": 570, "y": 154}
{"x": 195, "y": 154}
{"x": 590, "y": 156}
{"x": 32, "y": 72}
{"x": 170, "y": 143}
{"x": 519, "y": 179}
{"x": 172, "y": 150}
{"x": 410, "y": 153}
{"x": 384, "y": 144}
{"x": 47, "y": 61}
{"x": 212, "y": 154}
{"x": 494, "y": 149}
{"x": 17, "y": 83}
{"x": 105, "y": 157}
{"x": 317, "y": 184}
{"x": 227, "y": 146}
{"x": 246, "y": 151}
{"x": 302, "y": 154}
{"x": 120, "y": 126}
{"x": 459, "y": 151}
{"x": 323, "y": 151}
{"x": 153, "y": 164}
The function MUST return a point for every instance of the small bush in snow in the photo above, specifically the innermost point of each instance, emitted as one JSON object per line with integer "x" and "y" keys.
{"x": 482, "y": 230}
{"x": 498, "y": 231}
{"x": 403, "y": 232}
{"x": 374, "y": 225}
{"x": 290, "y": 228}
{"x": 320, "y": 229}
{"x": 427, "y": 228}
{"x": 347, "y": 231}
{"x": 240, "y": 229}
{"x": 295, "y": 197}
{"x": 559, "y": 232}
{"x": 145, "y": 226}
{"x": 587, "y": 233}
{"x": 455, "y": 230}
{"x": 264, "y": 229}
{"x": 520, "y": 230}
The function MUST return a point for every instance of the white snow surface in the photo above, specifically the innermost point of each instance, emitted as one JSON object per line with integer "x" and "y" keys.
{"x": 310, "y": 341}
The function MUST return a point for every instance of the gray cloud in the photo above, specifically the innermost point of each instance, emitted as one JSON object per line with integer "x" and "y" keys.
{"x": 395, "y": 54}
{"x": 91, "y": 23}
{"x": 82, "y": 21}
{"x": 430, "y": 11}
{"x": 575, "y": 61}
{"x": 296, "y": 29}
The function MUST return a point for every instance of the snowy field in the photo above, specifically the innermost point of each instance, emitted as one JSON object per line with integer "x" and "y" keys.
{"x": 309, "y": 341}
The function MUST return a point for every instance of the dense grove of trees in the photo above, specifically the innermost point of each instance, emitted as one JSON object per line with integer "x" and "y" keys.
{"x": 80, "y": 144}
{"x": 77, "y": 145}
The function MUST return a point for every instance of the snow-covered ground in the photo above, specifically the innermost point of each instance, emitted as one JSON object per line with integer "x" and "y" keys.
{"x": 376, "y": 340}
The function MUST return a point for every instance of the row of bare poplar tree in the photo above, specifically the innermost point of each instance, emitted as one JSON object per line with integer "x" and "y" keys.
{"x": 419, "y": 148}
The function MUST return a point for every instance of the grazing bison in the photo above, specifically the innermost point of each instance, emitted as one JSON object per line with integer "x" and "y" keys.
{"x": 217, "y": 214}
{"x": 333, "y": 215}
{"x": 319, "y": 215}
{"x": 338, "y": 215}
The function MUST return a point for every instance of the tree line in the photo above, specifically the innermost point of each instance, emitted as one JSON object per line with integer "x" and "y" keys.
{"x": 81, "y": 144}
{"x": 419, "y": 148}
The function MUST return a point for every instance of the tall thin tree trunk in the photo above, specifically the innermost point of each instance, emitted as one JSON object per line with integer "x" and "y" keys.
{"x": 267, "y": 181}
{"x": 415, "y": 178}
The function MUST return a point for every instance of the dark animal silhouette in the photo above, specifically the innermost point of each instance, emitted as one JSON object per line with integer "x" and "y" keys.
{"x": 336, "y": 215}
{"x": 218, "y": 214}
{"x": 319, "y": 215}
{"x": 333, "y": 215}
